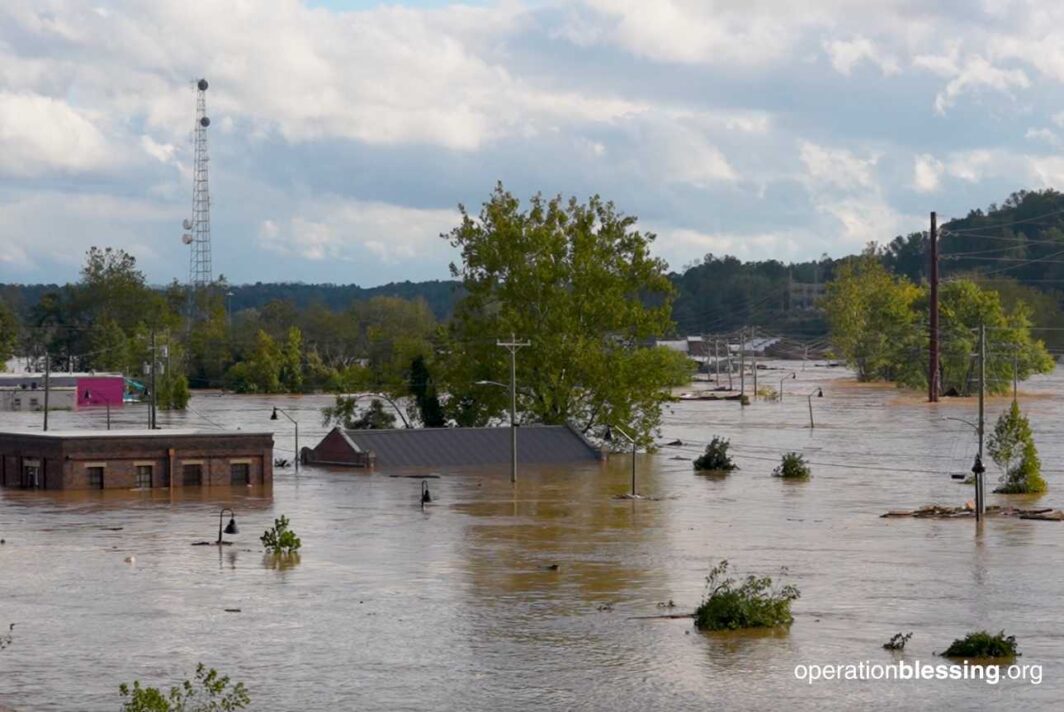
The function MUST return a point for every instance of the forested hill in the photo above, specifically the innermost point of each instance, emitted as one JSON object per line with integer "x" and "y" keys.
{"x": 440, "y": 295}
{"x": 1016, "y": 247}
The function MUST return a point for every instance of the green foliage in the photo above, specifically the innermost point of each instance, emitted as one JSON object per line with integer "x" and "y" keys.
{"x": 982, "y": 644}
{"x": 346, "y": 414}
{"x": 1011, "y": 445}
{"x": 877, "y": 326}
{"x": 579, "y": 283}
{"x": 754, "y": 602}
{"x": 716, "y": 458}
{"x": 9, "y": 331}
{"x": 210, "y": 692}
{"x": 280, "y": 539}
{"x": 423, "y": 389}
{"x": 792, "y": 466}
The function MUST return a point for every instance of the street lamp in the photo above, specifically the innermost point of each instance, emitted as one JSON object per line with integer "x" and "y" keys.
{"x": 277, "y": 410}
{"x": 819, "y": 393}
{"x": 106, "y": 401}
{"x": 609, "y": 438}
{"x": 229, "y": 308}
{"x": 793, "y": 375}
{"x": 513, "y": 422}
{"x": 229, "y": 528}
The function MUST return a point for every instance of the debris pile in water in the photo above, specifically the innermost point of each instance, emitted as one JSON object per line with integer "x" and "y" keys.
{"x": 935, "y": 511}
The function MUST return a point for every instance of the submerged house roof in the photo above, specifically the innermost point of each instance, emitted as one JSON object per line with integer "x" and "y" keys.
{"x": 451, "y": 447}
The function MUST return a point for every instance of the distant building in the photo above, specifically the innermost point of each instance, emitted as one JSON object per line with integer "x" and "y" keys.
{"x": 134, "y": 459}
{"x": 66, "y": 391}
{"x": 451, "y": 447}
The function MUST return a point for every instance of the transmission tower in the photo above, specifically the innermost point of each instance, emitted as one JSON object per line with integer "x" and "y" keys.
{"x": 198, "y": 229}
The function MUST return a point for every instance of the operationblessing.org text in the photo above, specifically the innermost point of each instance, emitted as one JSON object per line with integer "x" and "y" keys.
{"x": 903, "y": 670}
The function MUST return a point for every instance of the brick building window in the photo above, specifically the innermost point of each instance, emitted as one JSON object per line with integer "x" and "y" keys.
{"x": 239, "y": 473}
{"x": 191, "y": 475}
{"x": 144, "y": 476}
{"x": 31, "y": 474}
{"x": 95, "y": 477}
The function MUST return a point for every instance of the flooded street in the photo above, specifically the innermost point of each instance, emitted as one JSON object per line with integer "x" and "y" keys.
{"x": 458, "y": 607}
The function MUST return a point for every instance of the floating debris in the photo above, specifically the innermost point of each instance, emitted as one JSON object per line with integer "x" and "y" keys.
{"x": 232, "y": 610}
{"x": 936, "y": 511}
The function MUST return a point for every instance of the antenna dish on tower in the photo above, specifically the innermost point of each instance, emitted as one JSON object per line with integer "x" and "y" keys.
{"x": 205, "y": 122}
{"x": 187, "y": 224}
{"x": 186, "y": 238}
{"x": 202, "y": 85}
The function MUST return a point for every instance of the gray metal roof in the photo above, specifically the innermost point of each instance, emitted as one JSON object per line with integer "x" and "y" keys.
{"x": 458, "y": 447}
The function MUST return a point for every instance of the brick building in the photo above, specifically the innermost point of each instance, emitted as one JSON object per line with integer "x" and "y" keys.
{"x": 134, "y": 459}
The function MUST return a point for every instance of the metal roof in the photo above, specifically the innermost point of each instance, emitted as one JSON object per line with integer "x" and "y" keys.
{"x": 460, "y": 447}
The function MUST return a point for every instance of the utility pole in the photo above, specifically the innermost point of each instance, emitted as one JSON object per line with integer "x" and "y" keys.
{"x": 742, "y": 363}
{"x": 933, "y": 385}
{"x": 980, "y": 494}
{"x": 154, "y": 360}
{"x": 512, "y": 346}
{"x": 716, "y": 361}
{"x": 753, "y": 358}
{"x": 1015, "y": 374}
{"x": 48, "y": 386}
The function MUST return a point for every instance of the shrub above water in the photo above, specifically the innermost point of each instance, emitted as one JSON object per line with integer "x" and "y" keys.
{"x": 280, "y": 539}
{"x": 983, "y": 645}
{"x": 210, "y": 693}
{"x": 730, "y": 604}
{"x": 1012, "y": 447}
{"x": 793, "y": 466}
{"x": 716, "y": 458}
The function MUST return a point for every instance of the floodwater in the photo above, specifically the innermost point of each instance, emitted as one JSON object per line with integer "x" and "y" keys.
{"x": 457, "y": 608}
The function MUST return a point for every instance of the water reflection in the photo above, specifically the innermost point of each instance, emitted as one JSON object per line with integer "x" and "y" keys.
{"x": 457, "y": 607}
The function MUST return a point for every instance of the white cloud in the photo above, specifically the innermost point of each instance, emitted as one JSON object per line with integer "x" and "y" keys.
{"x": 927, "y": 173}
{"x": 979, "y": 74}
{"x": 40, "y": 134}
{"x": 838, "y": 168}
{"x": 333, "y": 228}
{"x": 847, "y": 54}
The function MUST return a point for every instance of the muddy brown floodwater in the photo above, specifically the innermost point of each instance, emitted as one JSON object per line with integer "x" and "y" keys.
{"x": 457, "y": 608}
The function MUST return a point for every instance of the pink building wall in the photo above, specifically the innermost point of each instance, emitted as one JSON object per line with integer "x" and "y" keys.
{"x": 98, "y": 391}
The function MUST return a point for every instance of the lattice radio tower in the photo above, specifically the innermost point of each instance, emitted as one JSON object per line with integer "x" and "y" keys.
{"x": 198, "y": 229}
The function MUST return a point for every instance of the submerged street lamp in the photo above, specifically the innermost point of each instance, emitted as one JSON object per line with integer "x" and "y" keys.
{"x": 819, "y": 393}
{"x": 95, "y": 397}
{"x": 793, "y": 375}
{"x": 230, "y": 528}
{"x": 513, "y": 422}
{"x": 277, "y": 410}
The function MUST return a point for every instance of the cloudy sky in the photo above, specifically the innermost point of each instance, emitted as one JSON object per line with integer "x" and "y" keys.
{"x": 345, "y": 132}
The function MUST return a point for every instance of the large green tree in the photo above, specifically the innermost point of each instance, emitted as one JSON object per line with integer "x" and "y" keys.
{"x": 878, "y": 326}
{"x": 8, "y": 333}
{"x": 578, "y": 282}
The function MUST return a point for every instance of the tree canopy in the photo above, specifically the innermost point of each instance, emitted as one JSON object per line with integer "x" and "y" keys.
{"x": 577, "y": 281}
{"x": 878, "y": 325}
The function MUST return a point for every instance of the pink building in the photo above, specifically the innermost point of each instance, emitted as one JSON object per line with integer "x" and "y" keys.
{"x": 100, "y": 391}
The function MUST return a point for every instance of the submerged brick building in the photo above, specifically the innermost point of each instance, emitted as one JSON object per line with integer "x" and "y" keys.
{"x": 134, "y": 459}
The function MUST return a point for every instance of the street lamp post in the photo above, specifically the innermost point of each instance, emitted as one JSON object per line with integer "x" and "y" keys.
{"x": 277, "y": 410}
{"x": 513, "y": 420}
{"x": 230, "y": 528}
{"x": 819, "y": 393}
{"x": 793, "y": 375}
{"x": 90, "y": 396}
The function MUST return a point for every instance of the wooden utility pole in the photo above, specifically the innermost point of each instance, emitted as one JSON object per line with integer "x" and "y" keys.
{"x": 933, "y": 385}
{"x": 742, "y": 363}
{"x": 980, "y": 494}
{"x": 753, "y": 358}
{"x": 154, "y": 361}
{"x": 48, "y": 386}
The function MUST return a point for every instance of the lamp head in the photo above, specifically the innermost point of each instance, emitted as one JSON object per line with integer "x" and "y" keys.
{"x": 819, "y": 392}
{"x": 274, "y": 415}
{"x": 231, "y": 528}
